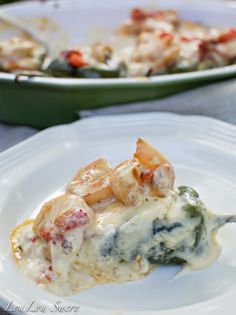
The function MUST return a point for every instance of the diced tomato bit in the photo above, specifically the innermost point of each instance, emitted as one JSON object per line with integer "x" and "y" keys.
{"x": 44, "y": 276}
{"x": 203, "y": 44}
{"x": 186, "y": 39}
{"x": 138, "y": 14}
{"x": 48, "y": 277}
{"x": 34, "y": 239}
{"x": 74, "y": 58}
{"x": 50, "y": 235}
{"x": 67, "y": 53}
{"x": 166, "y": 35}
{"x": 227, "y": 36}
{"x": 146, "y": 177}
{"x": 67, "y": 221}
{"x": 71, "y": 219}
{"x": 46, "y": 234}
{"x": 77, "y": 61}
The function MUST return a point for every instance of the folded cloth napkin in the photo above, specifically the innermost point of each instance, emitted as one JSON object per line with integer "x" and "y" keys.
{"x": 216, "y": 100}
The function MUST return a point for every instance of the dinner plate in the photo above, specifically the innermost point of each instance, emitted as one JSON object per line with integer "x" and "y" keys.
{"x": 42, "y": 102}
{"x": 203, "y": 152}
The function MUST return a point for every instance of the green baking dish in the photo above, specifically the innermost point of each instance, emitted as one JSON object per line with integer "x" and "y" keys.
{"x": 45, "y": 101}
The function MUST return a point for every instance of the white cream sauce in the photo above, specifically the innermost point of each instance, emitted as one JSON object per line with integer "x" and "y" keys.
{"x": 117, "y": 248}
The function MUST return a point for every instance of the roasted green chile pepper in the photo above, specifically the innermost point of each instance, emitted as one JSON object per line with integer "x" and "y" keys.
{"x": 60, "y": 68}
{"x": 187, "y": 238}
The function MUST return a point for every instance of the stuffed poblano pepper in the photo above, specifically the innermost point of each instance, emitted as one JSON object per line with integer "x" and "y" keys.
{"x": 116, "y": 225}
{"x": 97, "y": 63}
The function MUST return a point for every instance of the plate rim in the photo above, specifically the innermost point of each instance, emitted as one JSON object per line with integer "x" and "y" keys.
{"x": 23, "y": 150}
{"x": 224, "y": 130}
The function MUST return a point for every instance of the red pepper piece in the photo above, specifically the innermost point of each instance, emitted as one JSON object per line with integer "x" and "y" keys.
{"x": 65, "y": 222}
{"x": 138, "y": 14}
{"x": 227, "y": 36}
{"x": 34, "y": 239}
{"x": 186, "y": 39}
{"x": 50, "y": 235}
{"x": 74, "y": 58}
{"x": 203, "y": 47}
{"x": 146, "y": 177}
{"x": 71, "y": 219}
{"x": 166, "y": 35}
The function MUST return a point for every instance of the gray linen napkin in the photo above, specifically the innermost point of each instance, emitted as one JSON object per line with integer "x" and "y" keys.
{"x": 216, "y": 100}
{"x": 10, "y": 135}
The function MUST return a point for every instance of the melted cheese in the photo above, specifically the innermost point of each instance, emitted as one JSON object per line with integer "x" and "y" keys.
{"x": 118, "y": 247}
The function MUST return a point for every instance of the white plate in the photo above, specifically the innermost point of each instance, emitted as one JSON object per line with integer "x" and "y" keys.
{"x": 203, "y": 152}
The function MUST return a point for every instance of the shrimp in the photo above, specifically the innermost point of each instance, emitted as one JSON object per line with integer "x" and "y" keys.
{"x": 163, "y": 179}
{"x": 161, "y": 172}
{"x": 84, "y": 177}
{"x": 147, "y": 155}
{"x": 20, "y": 54}
{"x": 129, "y": 182}
{"x": 141, "y": 20}
{"x": 92, "y": 183}
{"x": 99, "y": 191}
{"x": 59, "y": 214}
{"x": 101, "y": 53}
{"x": 124, "y": 183}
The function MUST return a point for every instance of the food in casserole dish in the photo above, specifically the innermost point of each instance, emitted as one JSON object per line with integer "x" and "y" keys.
{"x": 17, "y": 54}
{"x": 117, "y": 224}
{"x": 149, "y": 42}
